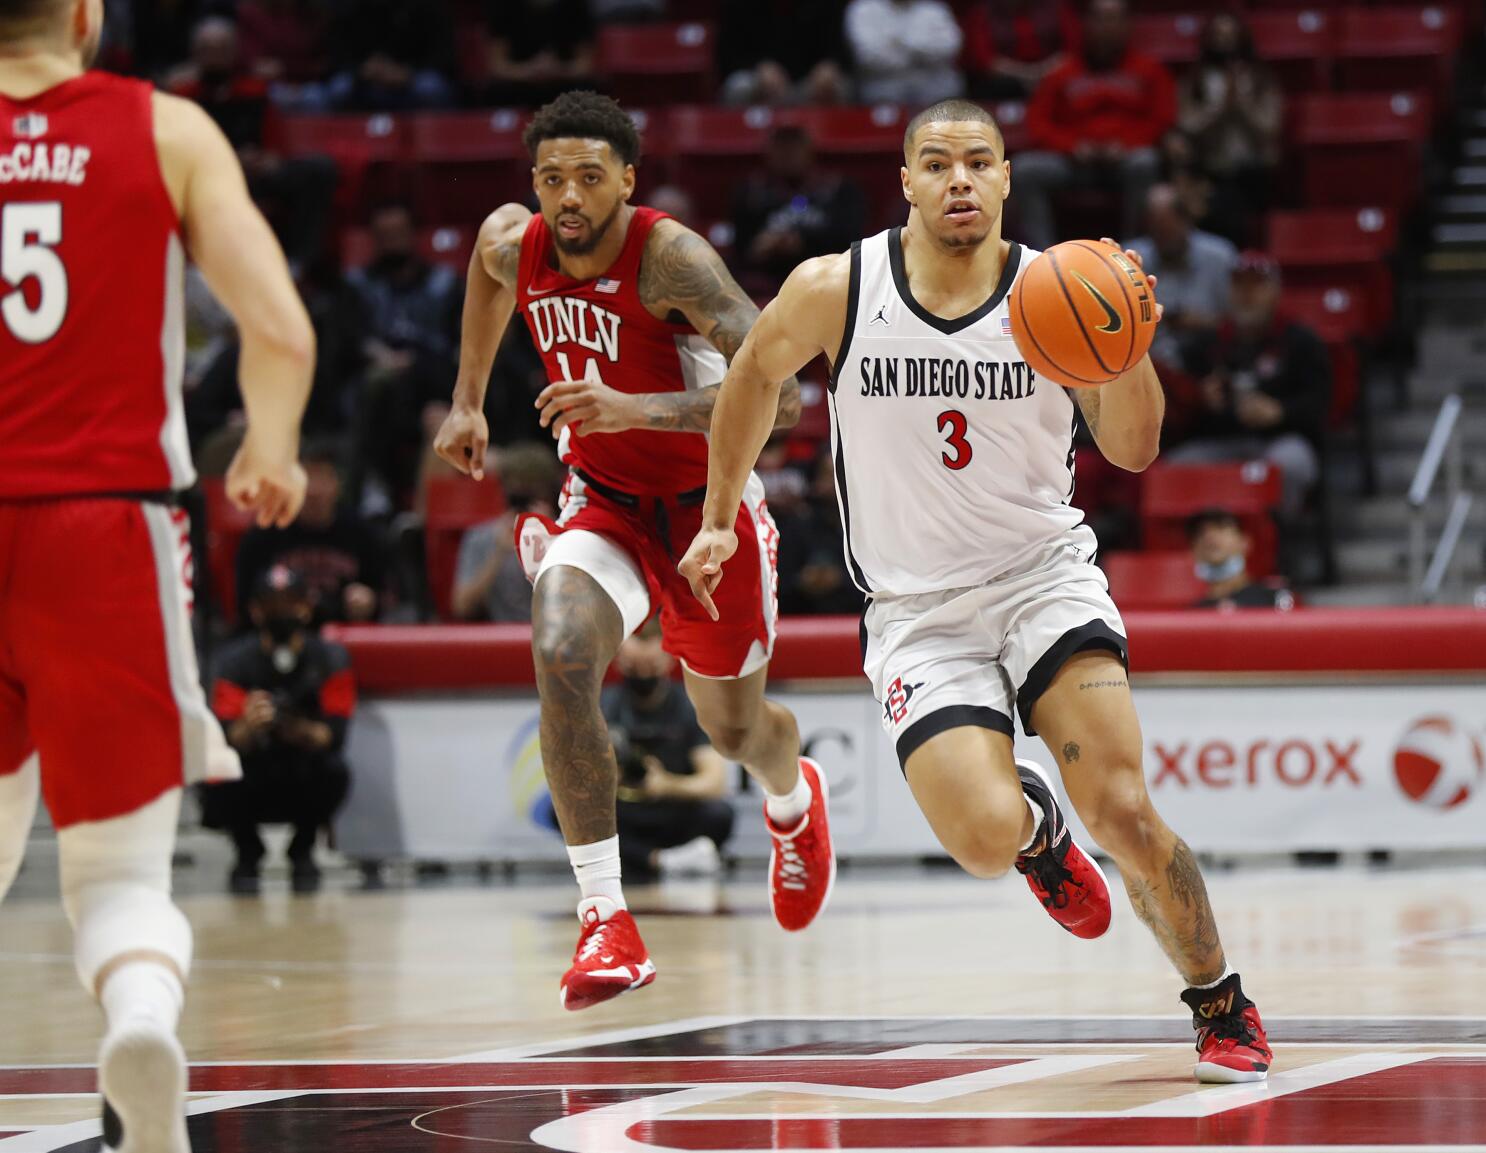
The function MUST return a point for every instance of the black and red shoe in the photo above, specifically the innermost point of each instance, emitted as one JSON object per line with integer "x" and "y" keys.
{"x": 1069, "y": 883}
{"x": 1231, "y": 1045}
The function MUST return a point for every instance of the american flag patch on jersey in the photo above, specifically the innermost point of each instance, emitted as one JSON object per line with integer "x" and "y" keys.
{"x": 606, "y": 285}
{"x": 30, "y": 126}
{"x": 1006, "y": 326}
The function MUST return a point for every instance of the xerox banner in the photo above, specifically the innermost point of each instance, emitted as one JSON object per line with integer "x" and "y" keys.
{"x": 1234, "y": 768}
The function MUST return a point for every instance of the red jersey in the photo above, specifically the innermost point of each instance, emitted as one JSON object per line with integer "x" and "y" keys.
{"x": 599, "y": 330}
{"x": 92, "y": 334}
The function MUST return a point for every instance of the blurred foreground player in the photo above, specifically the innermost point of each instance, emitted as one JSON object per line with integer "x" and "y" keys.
{"x": 102, "y": 186}
{"x": 983, "y": 596}
{"x": 635, "y": 317}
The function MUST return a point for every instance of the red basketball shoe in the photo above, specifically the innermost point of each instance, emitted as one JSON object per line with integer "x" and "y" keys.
{"x": 610, "y": 958}
{"x": 802, "y": 864}
{"x": 1069, "y": 883}
{"x": 1231, "y": 1045}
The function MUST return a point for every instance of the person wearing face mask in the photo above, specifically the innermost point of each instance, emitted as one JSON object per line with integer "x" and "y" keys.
{"x": 285, "y": 697}
{"x": 673, "y": 811}
{"x": 1220, "y": 558}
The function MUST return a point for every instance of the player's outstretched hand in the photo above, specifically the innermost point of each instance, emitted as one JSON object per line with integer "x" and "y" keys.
{"x": 1140, "y": 264}
{"x": 702, "y": 564}
{"x": 462, "y": 440}
{"x": 270, "y": 486}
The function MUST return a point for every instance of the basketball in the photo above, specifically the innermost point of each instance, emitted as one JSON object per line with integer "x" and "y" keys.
{"x": 1082, "y": 314}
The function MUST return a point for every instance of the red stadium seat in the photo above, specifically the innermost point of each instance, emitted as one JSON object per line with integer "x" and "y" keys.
{"x": 1362, "y": 148}
{"x": 1298, "y": 45}
{"x": 453, "y": 505}
{"x": 1170, "y": 38}
{"x": 450, "y": 246}
{"x": 715, "y": 149}
{"x": 226, "y": 525}
{"x": 1152, "y": 580}
{"x": 1339, "y": 248}
{"x": 466, "y": 164}
{"x": 1401, "y": 47}
{"x": 370, "y": 152}
{"x": 1171, "y": 493}
{"x": 1337, "y": 316}
{"x": 658, "y": 63}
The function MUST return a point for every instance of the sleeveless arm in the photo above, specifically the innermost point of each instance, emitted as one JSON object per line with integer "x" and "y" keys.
{"x": 489, "y": 301}
{"x": 243, "y": 264}
{"x": 806, "y": 319}
{"x": 683, "y": 274}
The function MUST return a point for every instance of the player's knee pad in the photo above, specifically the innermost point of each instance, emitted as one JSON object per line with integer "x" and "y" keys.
{"x": 18, "y": 795}
{"x": 116, "y": 888}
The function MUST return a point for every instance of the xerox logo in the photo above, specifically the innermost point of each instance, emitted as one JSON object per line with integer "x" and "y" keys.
{"x": 1296, "y": 763}
{"x": 1437, "y": 763}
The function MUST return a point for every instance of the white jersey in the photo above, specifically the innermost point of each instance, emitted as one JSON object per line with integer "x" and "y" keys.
{"x": 954, "y": 461}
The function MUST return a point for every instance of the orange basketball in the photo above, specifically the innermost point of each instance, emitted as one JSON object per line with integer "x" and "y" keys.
{"x": 1082, "y": 314}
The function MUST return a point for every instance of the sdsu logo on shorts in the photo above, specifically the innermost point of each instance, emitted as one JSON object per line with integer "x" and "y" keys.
{"x": 895, "y": 706}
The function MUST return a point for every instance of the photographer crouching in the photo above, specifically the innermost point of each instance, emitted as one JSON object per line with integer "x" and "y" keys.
{"x": 673, "y": 812}
{"x": 285, "y": 698}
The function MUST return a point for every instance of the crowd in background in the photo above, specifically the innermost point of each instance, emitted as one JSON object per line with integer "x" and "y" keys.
{"x": 1190, "y": 160}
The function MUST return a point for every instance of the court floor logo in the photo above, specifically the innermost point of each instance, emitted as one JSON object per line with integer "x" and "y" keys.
{"x": 1438, "y": 763}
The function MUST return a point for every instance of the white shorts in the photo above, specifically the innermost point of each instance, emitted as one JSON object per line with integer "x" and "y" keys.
{"x": 942, "y": 660}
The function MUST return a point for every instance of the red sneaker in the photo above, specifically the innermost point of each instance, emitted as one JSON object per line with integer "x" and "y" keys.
{"x": 1069, "y": 883}
{"x": 802, "y": 864}
{"x": 610, "y": 958}
{"x": 1231, "y": 1045}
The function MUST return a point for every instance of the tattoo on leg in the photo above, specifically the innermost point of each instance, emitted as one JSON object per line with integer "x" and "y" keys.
{"x": 1109, "y": 684}
{"x": 574, "y": 635}
{"x": 1070, "y": 752}
{"x": 1181, "y": 918}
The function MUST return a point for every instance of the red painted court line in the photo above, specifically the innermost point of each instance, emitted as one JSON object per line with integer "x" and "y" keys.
{"x": 1436, "y": 1103}
{"x": 866, "y": 1074}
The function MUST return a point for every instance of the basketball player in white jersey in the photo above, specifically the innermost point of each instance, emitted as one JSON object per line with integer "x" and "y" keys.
{"x": 954, "y": 467}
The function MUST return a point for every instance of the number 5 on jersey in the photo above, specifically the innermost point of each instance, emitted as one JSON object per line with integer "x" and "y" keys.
{"x": 28, "y": 234}
{"x": 954, "y": 426}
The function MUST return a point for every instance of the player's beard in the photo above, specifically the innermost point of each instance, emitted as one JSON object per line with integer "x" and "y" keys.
{"x": 595, "y": 237}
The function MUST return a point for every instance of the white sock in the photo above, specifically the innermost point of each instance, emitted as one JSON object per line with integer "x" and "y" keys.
{"x": 597, "y": 868}
{"x": 1037, "y": 817}
{"x": 1227, "y": 972}
{"x": 787, "y": 810}
{"x": 142, "y": 989}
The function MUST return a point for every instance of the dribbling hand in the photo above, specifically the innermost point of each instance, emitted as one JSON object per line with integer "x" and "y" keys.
{"x": 1139, "y": 263}
{"x": 462, "y": 440}
{"x": 268, "y": 485}
{"x": 702, "y": 564}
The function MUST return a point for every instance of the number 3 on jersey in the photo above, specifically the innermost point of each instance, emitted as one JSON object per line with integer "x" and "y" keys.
{"x": 28, "y": 234}
{"x": 952, "y": 423}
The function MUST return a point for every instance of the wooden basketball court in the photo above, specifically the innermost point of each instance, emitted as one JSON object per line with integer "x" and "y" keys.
{"x": 924, "y": 1011}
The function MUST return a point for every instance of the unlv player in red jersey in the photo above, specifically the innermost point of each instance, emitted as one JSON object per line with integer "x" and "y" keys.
{"x": 635, "y": 317}
{"x": 103, "y": 185}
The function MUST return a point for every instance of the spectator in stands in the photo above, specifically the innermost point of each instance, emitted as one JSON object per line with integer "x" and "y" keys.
{"x": 489, "y": 582}
{"x": 286, "y": 43}
{"x": 538, "y": 49}
{"x": 674, "y": 201}
{"x": 1010, "y": 45}
{"x": 906, "y": 51}
{"x": 1095, "y": 120}
{"x": 408, "y": 312}
{"x": 1212, "y": 207}
{"x": 1234, "y": 109}
{"x": 395, "y": 55}
{"x": 673, "y": 811}
{"x": 285, "y": 697}
{"x": 296, "y": 191}
{"x": 812, "y": 575}
{"x": 1195, "y": 269}
{"x": 762, "y": 67}
{"x": 1266, "y": 385}
{"x": 794, "y": 208}
{"x": 340, "y": 558}
{"x": 1220, "y": 554}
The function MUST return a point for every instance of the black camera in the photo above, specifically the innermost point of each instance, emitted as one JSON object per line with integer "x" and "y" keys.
{"x": 630, "y": 757}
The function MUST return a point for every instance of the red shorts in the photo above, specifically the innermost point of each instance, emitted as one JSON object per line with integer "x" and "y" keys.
{"x": 646, "y": 542}
{"x": 97, "y": 665}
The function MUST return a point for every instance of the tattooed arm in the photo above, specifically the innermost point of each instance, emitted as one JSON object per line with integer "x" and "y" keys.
{"x": 489, "y": 301}
{"x": 682, "y": 277}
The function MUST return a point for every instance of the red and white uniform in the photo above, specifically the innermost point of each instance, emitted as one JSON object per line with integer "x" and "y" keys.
{"x": 633, "y": 500}
{"x": 97, "y": 669}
